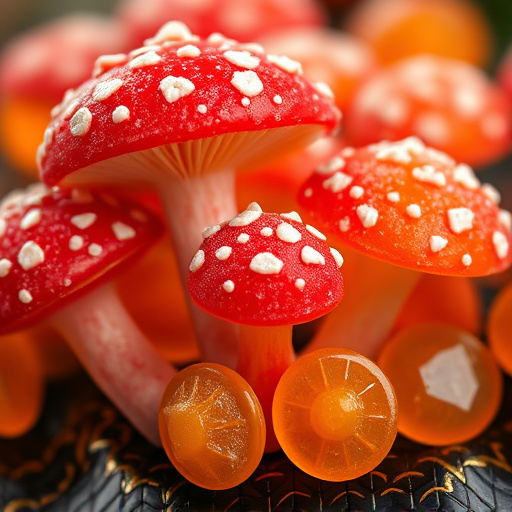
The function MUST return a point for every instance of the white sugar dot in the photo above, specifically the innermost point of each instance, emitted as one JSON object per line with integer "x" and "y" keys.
{"x": 176, "y": 87}
{"x": 356, "y": 192}
{"x": 428, "y": 174}
{"x": 300, "y": 283}
{"x": 287, "y": 233}
{"x": 25, "y": 296}
{"x": 334, "y": 164}
{"x": 81, "y": 121}
{"x": 3, "y": 227}
{"x": 394, "y": 197}
{"x": 308, "y": 192}
{"x": 277, "y": 99}
{"x": 197, "y": 261}
{"x": 245, "y": 218}
{"x": 202, "y": 109}
{"x": 105, "y": 89}
{"x": 266, "y": 263}
{"x": 223, "y": 253}
{"x": 344, "y": 224}
{"x": 120, "y": 114}
{"x": 95, "y": 249}
{"x": 467, "y": 260}
{"x": 5, "y": 267}
{"x": 243, "y": 238}
{"x": 245, "y": 101}
{"x": 242, "y": 59}
{"x": 228, "y": 285}
{"x": 247, "y": 82}
{"x": 189, "y": 50}
{"x": 285, "y": 63}
{"x": 83, "y": 220}
{"x": 501, "y": 245}
{"x": 209, "y": 231}
{"x": 413, "y": 210}
{"x": 460, "y": 219}
{"x": 291, "y": 216}
{"x": 266, "y": 231}
{"x": 315, "y": 232}
{"x": 338, "y": 258}
{"x": 31, "y": 218}
{"x": 122, "y": 231}
{"x": 368, "y": 215}
{"x": 76, "y": 243}
{"x": 146, "y": 59}
{"x": 337, "y": 182}
{"x": 465, "y": 175}
{"x": 311, "y": 256}
{"x": 67, "y": 282}
{"x": 437, "y": 243}
{"x": 30, "y": 255}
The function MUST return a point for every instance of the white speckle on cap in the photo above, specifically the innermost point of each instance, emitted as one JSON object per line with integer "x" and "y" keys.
{"x": 171, "y": 31}
{"x": 95, "y": 249}
{"x": 5, "y": 266}
{"x": 83, "y": 220}
{"x": 344, "y": 224}
{"x": 308, "y": 192}
{"x": 356, "y": 192}
{"x": 266, "y": 231}
{"x": 189, "y": 50}
{"x": 287, "y": 233}
{"x": 338, "y": 258}
{"x": 393, "y": 196}
{"x": 228, "y": 285}
{"x": 197, "y": 261}
{"x": 81, "y": 121}
{"x": 337, "y": 182}
{"x": 311, "y": 256}
{"x": 460, "y": 219}
{"x": 245, "y": 101}
{"x": 3, "y": 227}
{"x": 76, "y": 242}
{"x": 120, "y": 114}
{"x": 254, "y": 206}
{"x": 223, "y": 253}
{"x": 501, "y": 245}
{"x": 491, "y": 193}
{"x": 242, "y": 59}
{"x": 299, "y": 284}
{"x": 467, "y": 260}
{"x": 25, "y": 296}
{"x": 368, "y": 215}
{"x": 315, "y": 232}
{"x": 324, "y": 89}
{"x": 243, "y": 238}
{"x": 291, "y": 216}
{"x": 399, "y": 151}
{"x": 105, "y": 89}
{"x": 247, "y": 82}
{"x": 176, "y": 87}
{"x": 505, "y": 219}
{"x": 107, "y": 61}
{"x": 122, "y": 231}
{"x": 413, "y": 210}
{"x": 31, "y": 218}
{"x": 146, "y": 59}
{"x": 334, "y": 164}
{"x": 277, "y": 99}
{"x": 30, "y": 255}
{"x": 266, "y": 263}
{"x": 465, "y": 175}
{"x": 428, "y": 174}
{"x": 67, "y": 282}
{"x": 202, "y": 109}
{"x": 286, "y": 64}
{"x": 209, "y": 231}
{"x": 437, "y": 243}
{"x": 245, "y": 218}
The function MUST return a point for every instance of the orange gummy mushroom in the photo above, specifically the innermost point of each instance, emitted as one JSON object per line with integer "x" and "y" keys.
{"x": 212, "y": 426}
{"x": 335, "y": 414}
{"x": 397, "y": 29}
{"x": 21, "y": 385}
{"x": 448, "y": 385}
{"x": 499, "y": 328}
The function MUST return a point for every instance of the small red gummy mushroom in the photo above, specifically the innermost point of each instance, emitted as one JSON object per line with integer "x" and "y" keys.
{"x": 406, "y": 209}
{"x": 58, "y": 249}
{"x": 265, "y": 272}
{"x": 181, "y": 114}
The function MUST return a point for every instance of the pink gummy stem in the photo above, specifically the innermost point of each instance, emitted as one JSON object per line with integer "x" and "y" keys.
{"x": 191, "y": 205}
{"x": 264, "y": 355}
{"x": 374, "y": 294}
{"x": 117, "y": 356}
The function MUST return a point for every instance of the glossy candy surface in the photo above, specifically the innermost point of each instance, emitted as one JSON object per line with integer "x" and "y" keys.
{"x": 499, "y": 328}
{"x": 212, "y": 426}
{"x": 447, "y": 384}
{"x": 335, "y": 414}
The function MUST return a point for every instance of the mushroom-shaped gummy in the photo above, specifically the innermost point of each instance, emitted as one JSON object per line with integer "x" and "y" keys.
{"x": 405, "y": 209}
{"x": 58, "y": 249}
{"x": 266, "y": 272}
{"x": 181, "y": 114}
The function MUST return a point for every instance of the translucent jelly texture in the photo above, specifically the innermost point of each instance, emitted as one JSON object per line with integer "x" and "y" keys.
{"x": 335, "y": 414}
{"x": 447, "y": 383}
{"x": 212, "y": 426}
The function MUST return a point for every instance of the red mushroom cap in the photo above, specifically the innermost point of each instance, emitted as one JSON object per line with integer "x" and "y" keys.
{"x": 265, "y": 269}
{"x": 53, "y": 243}
{"x": 413, "y": 206}
{"x": 176, "y": 89}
